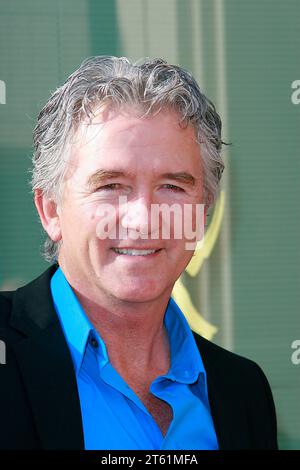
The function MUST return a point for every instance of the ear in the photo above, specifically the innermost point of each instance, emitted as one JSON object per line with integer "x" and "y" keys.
{"x": 48, "y": 212}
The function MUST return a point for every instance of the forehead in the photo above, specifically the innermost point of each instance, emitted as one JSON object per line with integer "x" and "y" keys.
{"x": 128, "y": 122}
{"x": 123, "y": 137}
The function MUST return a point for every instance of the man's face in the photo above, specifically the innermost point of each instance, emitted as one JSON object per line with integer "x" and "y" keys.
{"x": 118, "y": 155}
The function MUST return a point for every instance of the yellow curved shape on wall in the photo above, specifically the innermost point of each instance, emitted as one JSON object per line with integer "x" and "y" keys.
{"x": 196, "y": 321}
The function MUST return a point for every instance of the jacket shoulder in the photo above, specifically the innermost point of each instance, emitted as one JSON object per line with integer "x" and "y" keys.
{"x": 32, "y": 302}
{"x": 6, "y": 299}
{"x": 214, "y": 349}
{"x": 233, "y": 367}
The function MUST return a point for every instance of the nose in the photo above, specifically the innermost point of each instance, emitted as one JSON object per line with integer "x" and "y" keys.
{"x": 135, "y": 218}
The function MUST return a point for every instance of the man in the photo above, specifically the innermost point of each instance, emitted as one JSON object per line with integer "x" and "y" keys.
{"x": 98, "y": 354}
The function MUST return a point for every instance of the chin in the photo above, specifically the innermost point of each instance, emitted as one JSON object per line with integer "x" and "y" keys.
{"x": 139, "y": 292}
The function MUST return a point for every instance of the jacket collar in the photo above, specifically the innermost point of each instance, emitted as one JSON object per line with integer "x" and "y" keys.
{"x": 46, "y": 366}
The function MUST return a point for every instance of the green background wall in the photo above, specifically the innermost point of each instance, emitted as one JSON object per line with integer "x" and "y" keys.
{"x": 245, "y": 55}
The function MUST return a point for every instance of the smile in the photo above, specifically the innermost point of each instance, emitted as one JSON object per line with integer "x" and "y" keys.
{"x": 134, "y": 252}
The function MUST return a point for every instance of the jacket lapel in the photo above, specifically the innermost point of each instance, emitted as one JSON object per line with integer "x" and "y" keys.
{"x": 221, "y": 402}
{"x": 46, "y": 367}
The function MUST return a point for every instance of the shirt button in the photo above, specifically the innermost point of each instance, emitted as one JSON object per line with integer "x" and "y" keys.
{"x": 94, "y": 343}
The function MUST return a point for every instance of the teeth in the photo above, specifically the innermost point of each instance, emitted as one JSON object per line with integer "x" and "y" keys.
{"x": 124, "y": 251}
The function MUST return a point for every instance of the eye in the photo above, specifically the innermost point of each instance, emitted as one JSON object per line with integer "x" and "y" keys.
{"x": 110, "y": 186}
{"x": 173, "y": 187}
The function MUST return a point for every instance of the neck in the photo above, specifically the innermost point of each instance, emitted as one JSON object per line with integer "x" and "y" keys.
{"x": 133, "y": 332}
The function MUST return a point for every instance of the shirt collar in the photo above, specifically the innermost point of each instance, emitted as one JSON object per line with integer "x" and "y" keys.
{"x": 186, "y": 362}
{"x": 76, "y": 326}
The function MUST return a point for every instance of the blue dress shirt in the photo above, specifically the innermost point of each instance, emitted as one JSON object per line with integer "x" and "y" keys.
{"x": 113, "y": 416}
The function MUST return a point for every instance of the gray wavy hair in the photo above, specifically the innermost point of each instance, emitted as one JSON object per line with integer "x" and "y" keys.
{"x": 152, "y": 85}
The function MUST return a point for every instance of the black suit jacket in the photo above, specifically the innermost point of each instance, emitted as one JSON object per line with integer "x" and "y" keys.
{"x": 39, "y": 401}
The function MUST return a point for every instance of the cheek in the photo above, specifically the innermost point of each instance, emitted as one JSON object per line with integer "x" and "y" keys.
{"x": 188, "y": 223}
{"x": 77, "y": 224}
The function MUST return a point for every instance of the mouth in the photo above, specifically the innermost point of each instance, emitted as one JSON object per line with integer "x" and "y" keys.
{"x": 136, "y": 252}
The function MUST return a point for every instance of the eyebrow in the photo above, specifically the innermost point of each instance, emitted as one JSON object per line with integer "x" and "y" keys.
{"x": 182, "y": 177}
{"x": 102, "y": 175}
